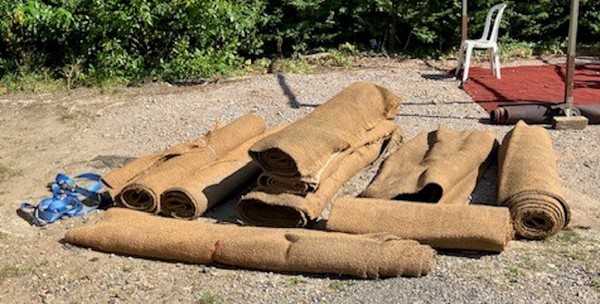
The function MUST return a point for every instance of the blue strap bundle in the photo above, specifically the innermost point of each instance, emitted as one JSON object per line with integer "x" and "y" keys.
{"x": 67, "y": 200}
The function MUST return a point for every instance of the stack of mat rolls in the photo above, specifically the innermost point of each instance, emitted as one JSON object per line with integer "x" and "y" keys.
{"x": 288, "y": 250}
{"x": 418, "y": 201}
{"x": 307, "y": 163}
{"x": 529, "y": 183}
{"x": 346, "y": 134}
{"x": 187, "y": 179}
{"x": 430, "y": 179}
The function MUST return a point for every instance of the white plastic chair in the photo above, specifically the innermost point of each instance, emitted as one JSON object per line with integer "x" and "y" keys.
{"x": 487, "y": 41}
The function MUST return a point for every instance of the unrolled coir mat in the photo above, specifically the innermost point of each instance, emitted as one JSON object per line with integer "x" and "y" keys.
{"x": 529, "y": 183}
{"x": 139, "y": 185}
{"x": 135, "y": 233}
{"x": 441, "y": 166}
{"x": 442, "y": 226}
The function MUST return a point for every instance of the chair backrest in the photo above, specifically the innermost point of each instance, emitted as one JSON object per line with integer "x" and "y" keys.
{"x": 493, "y": 34}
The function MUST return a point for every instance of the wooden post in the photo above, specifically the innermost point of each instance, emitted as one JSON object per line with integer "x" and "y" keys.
{"x": 571, "y": 54}
{"x": 572, "y": 119}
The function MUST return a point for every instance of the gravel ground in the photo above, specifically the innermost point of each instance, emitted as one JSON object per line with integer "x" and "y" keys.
{"x": 41, "y": 135}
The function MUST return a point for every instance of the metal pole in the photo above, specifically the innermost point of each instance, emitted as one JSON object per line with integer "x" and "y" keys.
{"x": 463, "y": 28}
{"x": 573, "y": 19}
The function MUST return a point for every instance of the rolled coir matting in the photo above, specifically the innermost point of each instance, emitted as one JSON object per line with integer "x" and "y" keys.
{"x": 441, "y": 226}
{"x": 263, "y": 207}
{"x": 306, "y": 147}
{"x": 135, "y": 233}
{"x": 143, "y": 192}
{"x": 199, "y": 190}
{"x": 529, "y": 183}
{"x": 441, "y": 166}
{"x": 278, "y": 184}
{"x": 207, "y": 148}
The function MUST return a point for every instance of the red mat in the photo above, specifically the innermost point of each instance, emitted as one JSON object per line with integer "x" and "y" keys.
{"x": 532, "y": 84}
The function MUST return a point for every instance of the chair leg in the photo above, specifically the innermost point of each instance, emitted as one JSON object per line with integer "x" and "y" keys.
{"x": 461, "y": 58}
{"x": 497, "y": 62}
{"x": 492, "y": 66}
{"x": 467, "y": 63}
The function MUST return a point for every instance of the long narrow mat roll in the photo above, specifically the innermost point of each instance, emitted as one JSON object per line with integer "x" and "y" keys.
{"x": 265, "y": 208}
{"x": 143, "y": 193}
{"x": 205, "y": 149}
{"x": 441, "y": 226}
{"x": 529, "y": 183}
{"x": 305, "y": 148}
{"x": 140, "y": 234}
{"x": 199, "y": 190}
{"x": 437, "y": 167}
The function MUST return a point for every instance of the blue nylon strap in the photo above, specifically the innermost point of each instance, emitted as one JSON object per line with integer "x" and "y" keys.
{"x": 67, "y": 200}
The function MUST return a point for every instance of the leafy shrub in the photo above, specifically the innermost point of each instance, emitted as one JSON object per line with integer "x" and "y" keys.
{"x": 86, "y": 42}
{"x": 128, "y": 39}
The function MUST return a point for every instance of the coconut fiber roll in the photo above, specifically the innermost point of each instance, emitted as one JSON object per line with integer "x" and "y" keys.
{"x": 206, "y": 149}
{"x": 263, "y": 207}
{"x": 199, "y": 190}
{"x": 529, "y": 183}
{"x": 278, "y": 184}
{"x": 437, "y": 167}
{"x": 441, "y": 226}
{"x": 143, "y": 192}
{"x": 135, "y": 233}
{"x": 305, "y": 148}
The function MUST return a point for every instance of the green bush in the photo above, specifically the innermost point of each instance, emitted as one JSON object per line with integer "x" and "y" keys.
{"x": 127, "y": 39}
{"x": 90, "y": 42}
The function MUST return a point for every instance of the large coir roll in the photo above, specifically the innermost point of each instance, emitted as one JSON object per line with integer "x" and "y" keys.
{"x": 529, "y": 183}
{"x": 276, "y": 208}
{"x": 140, "y": 184}
{"x": 306, "y": 147}
{"x": 198, "y": 190}
{"x": 441, "y": 226}
{"x": 140, "y": 234}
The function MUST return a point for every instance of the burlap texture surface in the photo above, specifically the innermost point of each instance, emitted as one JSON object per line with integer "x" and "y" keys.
{"x": 441, "y": 166}
{"x": 304, "y": 149}
{"x": 207, "y": 148}
{"x": 278, "y": 184}
{"x": 143, "y": 192}
{"x": 441, "y": 226}
{"x": 265, "y": 207}
{"x": 140, "y": 234}
{"x": 529, "y": 183}
{"x": 198, "y": 190}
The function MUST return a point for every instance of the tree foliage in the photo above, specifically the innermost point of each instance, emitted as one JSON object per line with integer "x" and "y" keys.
{"x": 131, "y": 40}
